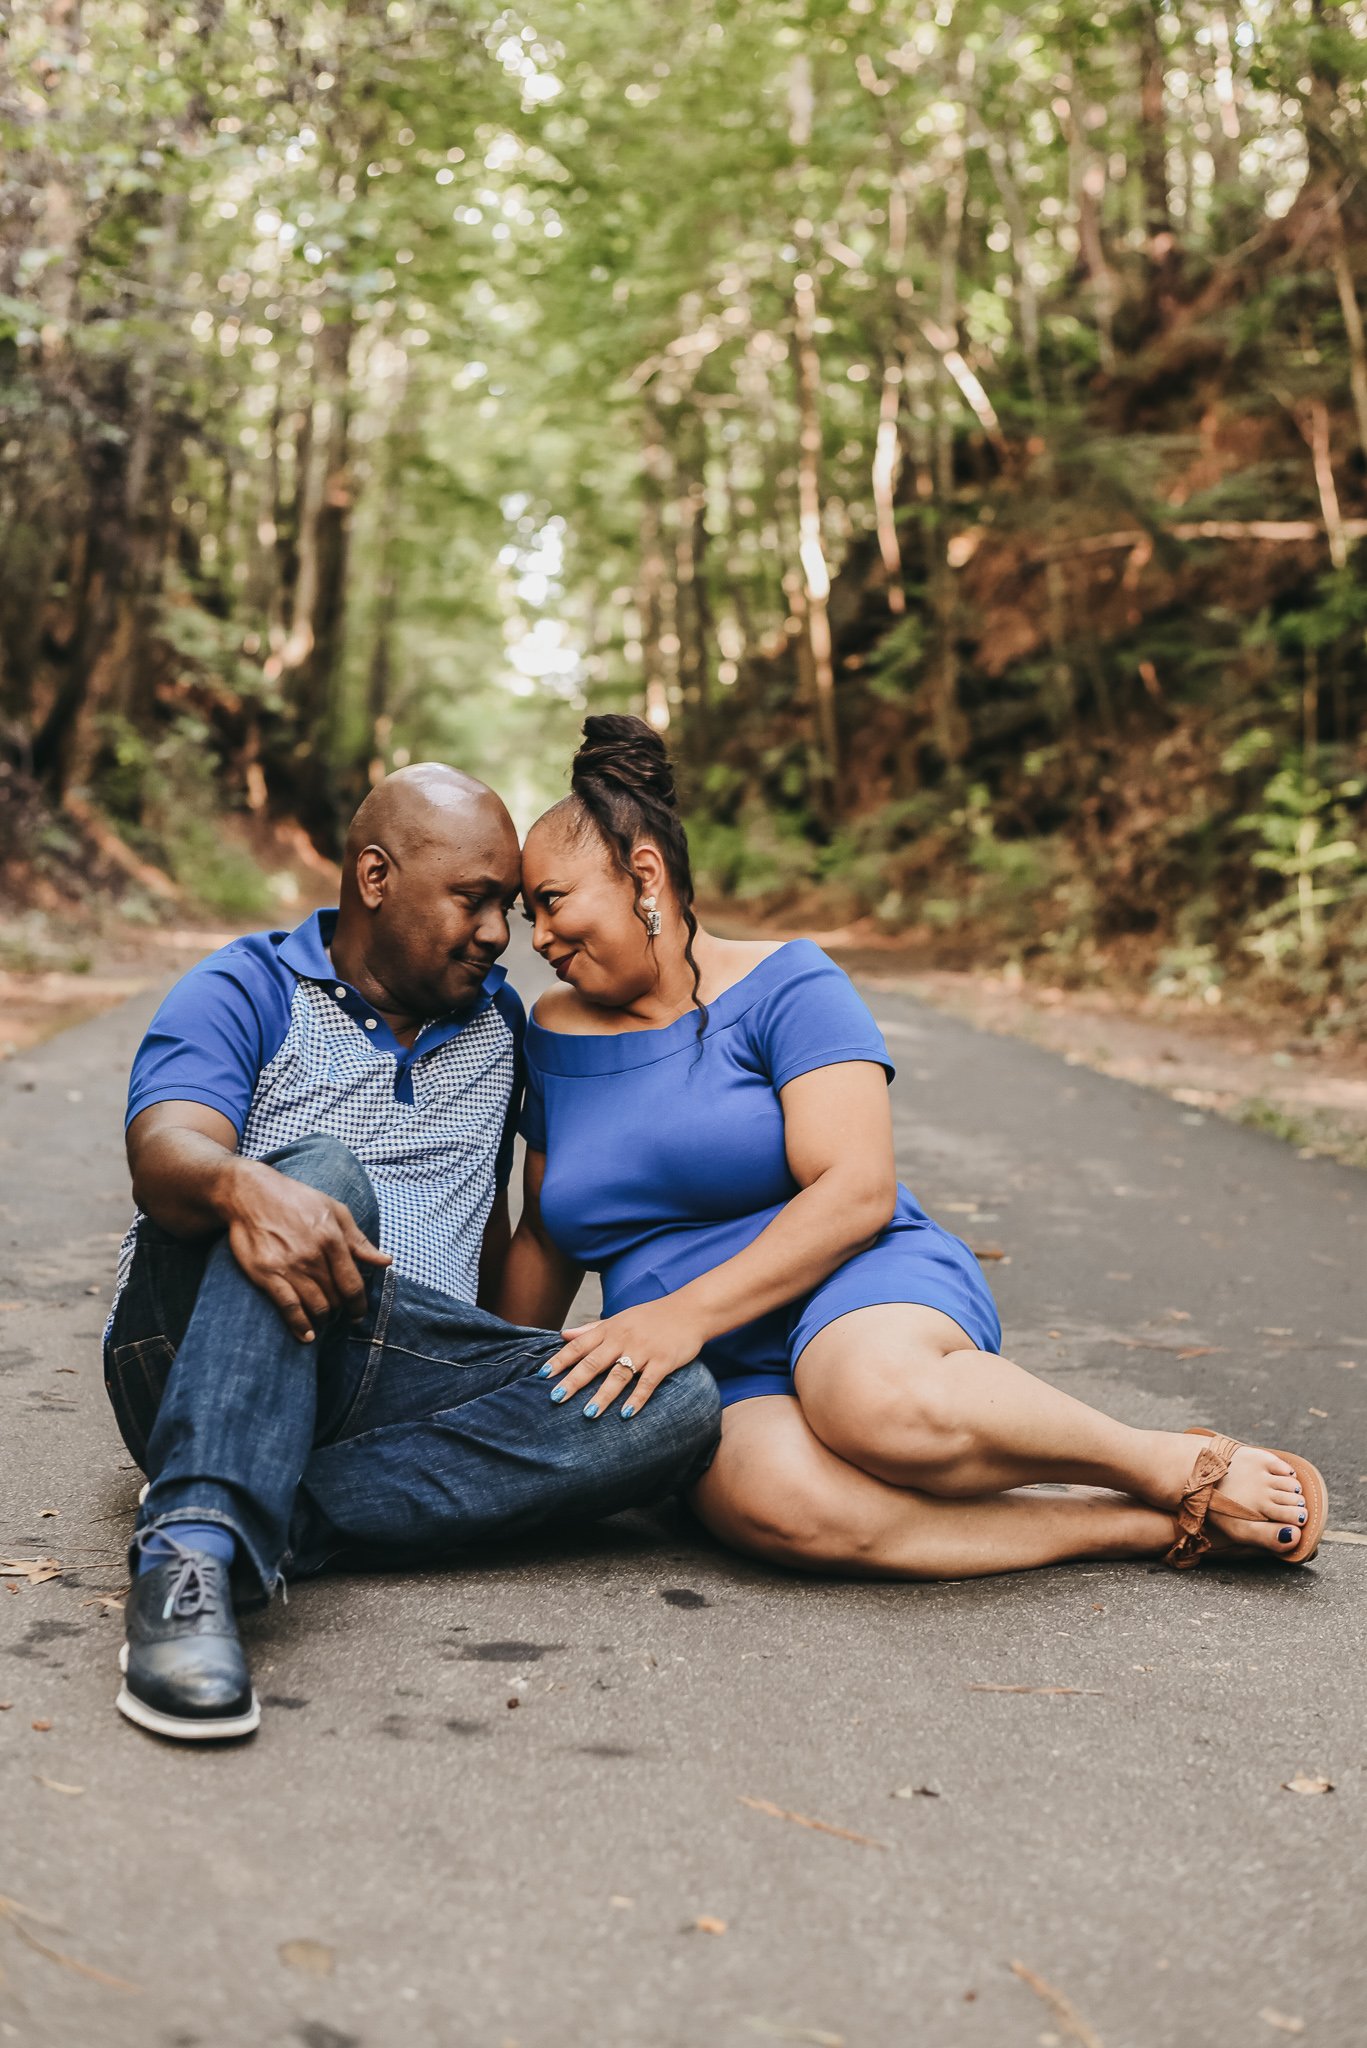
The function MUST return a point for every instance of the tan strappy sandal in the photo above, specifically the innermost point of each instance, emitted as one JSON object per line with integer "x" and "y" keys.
{"x": 1201, "y": 1496}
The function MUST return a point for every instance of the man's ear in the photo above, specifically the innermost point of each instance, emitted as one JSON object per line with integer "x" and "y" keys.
{"x": 648, "y": 866}
{"x": 373, "y": 870}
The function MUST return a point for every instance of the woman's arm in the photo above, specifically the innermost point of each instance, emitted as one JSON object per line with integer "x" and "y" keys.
{"x": 838, "y": 1137}
{"x": 539, "y": 1282}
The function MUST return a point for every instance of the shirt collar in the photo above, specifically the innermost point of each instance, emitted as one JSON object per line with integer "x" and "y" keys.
{"x": 305, "y": 953}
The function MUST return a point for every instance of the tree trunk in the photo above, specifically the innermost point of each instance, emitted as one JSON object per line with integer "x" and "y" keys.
{"x": 311, "y": 656}
{"x": 653, "y": 575}
{"x": 816, "y": 575}
{"x": 1153, "y": 130}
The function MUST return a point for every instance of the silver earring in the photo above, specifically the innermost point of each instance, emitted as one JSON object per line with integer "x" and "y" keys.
{"x": 653, "y": 918}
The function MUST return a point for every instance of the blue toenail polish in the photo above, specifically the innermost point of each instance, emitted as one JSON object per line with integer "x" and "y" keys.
{"x": 560, "y": 1393}
{"x": 1286, "y": 1535}
{"x": 592, "y": 1408}
{"x": 628, "y": 1410}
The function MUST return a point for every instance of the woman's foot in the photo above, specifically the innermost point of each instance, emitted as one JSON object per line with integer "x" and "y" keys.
{"x": 1260, "y": 1482}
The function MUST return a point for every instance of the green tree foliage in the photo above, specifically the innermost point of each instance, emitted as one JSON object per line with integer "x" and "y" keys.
{"x": 951, "y": 422}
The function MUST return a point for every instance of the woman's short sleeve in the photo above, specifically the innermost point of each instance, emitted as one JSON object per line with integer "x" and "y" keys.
{"x": 532, "y": 1122}
{"x": 815, "y": 1017}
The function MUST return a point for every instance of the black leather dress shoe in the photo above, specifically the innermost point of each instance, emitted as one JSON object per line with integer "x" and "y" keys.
{"x": 185, "y": 1674}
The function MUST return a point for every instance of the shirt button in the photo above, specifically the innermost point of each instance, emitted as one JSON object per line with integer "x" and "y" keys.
{"x": 370, "y": 1023}
{"x": 340, "y": 994}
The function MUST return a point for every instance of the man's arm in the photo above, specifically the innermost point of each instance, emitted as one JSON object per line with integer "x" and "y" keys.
{"x": 493, "y": 1253}
{"x": 300, "y": 1247}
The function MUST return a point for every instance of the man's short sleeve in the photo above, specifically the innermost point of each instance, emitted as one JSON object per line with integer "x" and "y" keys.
{"x": 515, "y": 1017}
{"x": 533, "y": 1125}
{"x": 217, "y": 1030}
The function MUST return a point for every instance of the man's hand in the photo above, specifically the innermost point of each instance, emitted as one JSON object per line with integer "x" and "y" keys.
{"x": 304, "y": 1250}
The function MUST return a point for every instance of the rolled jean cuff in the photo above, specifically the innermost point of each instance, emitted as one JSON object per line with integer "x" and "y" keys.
{"x": 253, "y": 1580}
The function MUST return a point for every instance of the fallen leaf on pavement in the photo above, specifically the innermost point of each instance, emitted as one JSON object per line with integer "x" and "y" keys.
{"x": 42, "y": 1727}
{"x": 11, "y": 1910}
{"x": 987, "y": 1251}
{"x": 56, "y": 1785}
{"x": 707, "y": 1923}
{"x": 914, "y": 1792}
{"x": 108, "y": 1603}
{"x": 1301, "y": 1783}
{"x": 1089, "y": 1692}
{"x": 310, "y": 1958}
{"x": 48, "y": 1514}
{"x": 1286, "y": 2022}
{"x": 1066, "y": 2015}
{"x": 37, "y": 1570}
{"x": 1178, "y": 1315}
{"x": 1323, "y": 1413}
{"x": 779, "y": 2030}
{"x": 1343, "y": 1536}
{"x": 802, "y": 1820}
{"x": 1199, "y": 1350}
{"x": 5, "y": 1306}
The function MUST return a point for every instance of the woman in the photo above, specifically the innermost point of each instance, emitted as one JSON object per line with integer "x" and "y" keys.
{"x": 708, "y": 1127}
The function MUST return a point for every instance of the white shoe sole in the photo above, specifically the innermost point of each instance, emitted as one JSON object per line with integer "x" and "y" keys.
{"x": 134, "y": 1709}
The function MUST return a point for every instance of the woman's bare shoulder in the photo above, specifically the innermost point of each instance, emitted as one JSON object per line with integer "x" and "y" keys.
{"x": 730, "y": 960}
{"x": 560, "y": 1009}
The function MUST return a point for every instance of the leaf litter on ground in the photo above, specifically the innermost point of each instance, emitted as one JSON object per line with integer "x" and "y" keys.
{"x": 16, "y": 1915}
{"x": 310, "y": 1958}
{"x": 1088, "y": 1692}
{"x": 803, "y": 1820}
{"x": 1307, "y": 1785}
{"x": 37, "y": 1570}
{"x": 1066, "y": 2015}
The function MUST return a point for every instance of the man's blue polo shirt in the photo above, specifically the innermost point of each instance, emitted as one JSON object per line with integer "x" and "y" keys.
{"x": 266, "y": 1032}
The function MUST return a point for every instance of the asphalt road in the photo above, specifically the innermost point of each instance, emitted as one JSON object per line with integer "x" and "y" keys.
{"x": 509, "y": 1803}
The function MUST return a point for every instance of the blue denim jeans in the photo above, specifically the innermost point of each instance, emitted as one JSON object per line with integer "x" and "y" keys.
{"x": 397, "y": 1439}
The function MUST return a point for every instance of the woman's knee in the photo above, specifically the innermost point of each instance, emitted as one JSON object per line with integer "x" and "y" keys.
{"x": 894, "y": 1417}
{"x": 325, "y": 1163}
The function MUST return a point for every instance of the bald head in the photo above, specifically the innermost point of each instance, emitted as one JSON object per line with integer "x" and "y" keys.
{"x": 419, "y": 806}
{"x": 429, "y": 875}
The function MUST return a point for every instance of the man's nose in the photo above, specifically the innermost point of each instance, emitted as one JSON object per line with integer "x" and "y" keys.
{"x": 492, "y": 930}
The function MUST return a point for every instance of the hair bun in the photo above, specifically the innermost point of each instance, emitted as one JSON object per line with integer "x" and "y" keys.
{"x": 628, "y": 752}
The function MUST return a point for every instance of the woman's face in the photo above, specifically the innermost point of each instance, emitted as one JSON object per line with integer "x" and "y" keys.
{"x": 584, "y": 917}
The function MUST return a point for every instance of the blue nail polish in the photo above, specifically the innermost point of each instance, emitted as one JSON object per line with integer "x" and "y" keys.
{"x": 1302, "y": 1519}
{"x": 628, "y": 1410}
{"x": 543, "y": 1372}
{"x": 1286, "y": 1535}
{"x": 560, "y": 1393}
{"x": 592, "y": 1408}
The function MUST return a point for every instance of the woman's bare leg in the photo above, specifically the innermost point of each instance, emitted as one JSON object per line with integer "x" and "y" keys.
{"x": 901, "y": 1393}
{"x": 775, "y": 1490}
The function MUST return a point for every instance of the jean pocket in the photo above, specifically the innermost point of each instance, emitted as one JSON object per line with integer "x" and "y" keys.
{"x": 135, "y": 1377}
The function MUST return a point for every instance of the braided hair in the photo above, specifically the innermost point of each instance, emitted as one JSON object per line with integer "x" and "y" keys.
{"x": 622, "y": 783}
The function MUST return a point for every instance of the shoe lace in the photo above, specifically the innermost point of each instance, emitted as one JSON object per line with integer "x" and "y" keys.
{"x": 191, "y": 1590}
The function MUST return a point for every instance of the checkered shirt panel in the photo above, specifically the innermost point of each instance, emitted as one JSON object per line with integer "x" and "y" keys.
{"x": 432, "y": 1160}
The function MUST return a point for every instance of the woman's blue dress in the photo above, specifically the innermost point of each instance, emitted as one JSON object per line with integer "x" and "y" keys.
{"x": 665, "y": 1157}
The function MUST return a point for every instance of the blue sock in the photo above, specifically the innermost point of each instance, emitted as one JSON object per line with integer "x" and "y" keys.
{"x": 208, "y": 1536}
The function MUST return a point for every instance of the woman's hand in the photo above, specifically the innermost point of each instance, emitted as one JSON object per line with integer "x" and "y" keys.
{"x": 645, "y": 1344}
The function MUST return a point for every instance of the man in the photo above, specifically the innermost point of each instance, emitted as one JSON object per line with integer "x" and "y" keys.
{"x": 320, "y": 1130}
